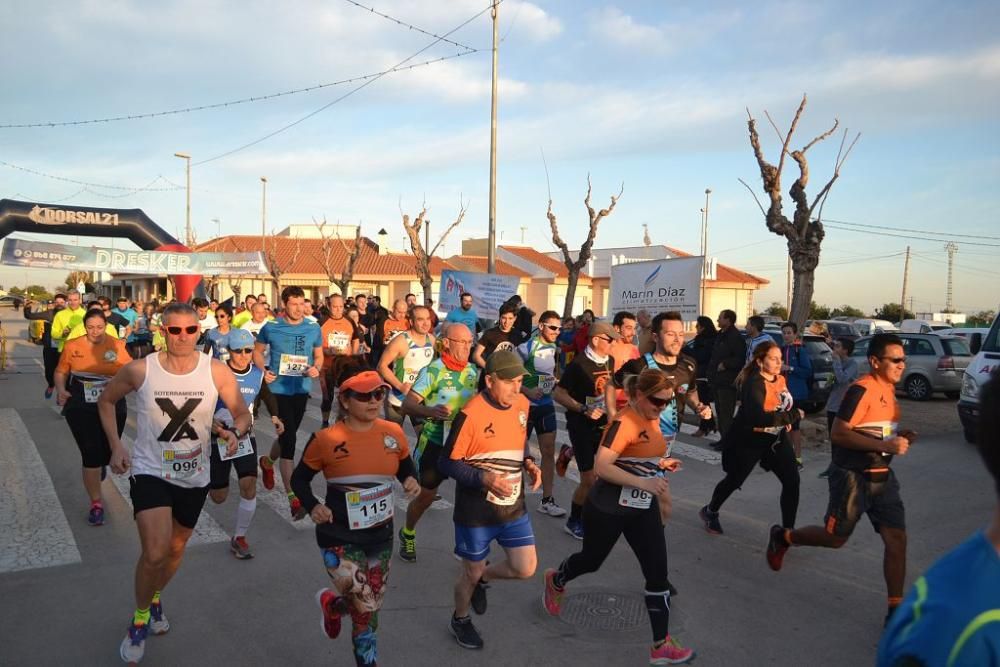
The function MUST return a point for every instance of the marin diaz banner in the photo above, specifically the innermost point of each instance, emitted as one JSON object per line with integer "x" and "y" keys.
{"x": 35, "y": 254}
{"x": 488, "y": 291}
{"x": 657, "y": 286}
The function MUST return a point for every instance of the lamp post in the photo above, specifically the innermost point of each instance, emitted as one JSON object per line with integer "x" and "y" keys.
{"x": 492, "y": 234}
{"x": 187, "y": 229}
{"x": 704, "y": 248}
{"x": 263, "y": 212}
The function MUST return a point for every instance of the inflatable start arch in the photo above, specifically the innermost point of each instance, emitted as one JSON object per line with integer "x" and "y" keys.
{"x": 131, "y": 224}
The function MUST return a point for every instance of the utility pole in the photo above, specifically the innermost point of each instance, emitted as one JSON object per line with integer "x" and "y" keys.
{"x": 263, "y": 214}
{"x": 906, "y": 275}
{"x": 523, "y": 230}
{"x": 704, "y": 250}
{"x": 218, "y": 227}
{"x": 951, "y": 249}
{"x": 188, "y": 240}
{"x": 491, "y": 240}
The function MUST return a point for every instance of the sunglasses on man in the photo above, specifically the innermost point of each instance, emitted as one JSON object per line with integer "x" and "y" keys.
{"x": 176, "y": 331}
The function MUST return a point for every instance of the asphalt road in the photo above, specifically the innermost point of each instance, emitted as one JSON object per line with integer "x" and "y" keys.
{"x": 66, "y": 594}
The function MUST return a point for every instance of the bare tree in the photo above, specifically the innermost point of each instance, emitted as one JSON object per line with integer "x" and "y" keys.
{"x": 328, "y": 250}
{"x": 276, "y": 266}
{"x": 420, "y": 254}
{"x": 804, "y": 232}
{"x": 574, "y": 266}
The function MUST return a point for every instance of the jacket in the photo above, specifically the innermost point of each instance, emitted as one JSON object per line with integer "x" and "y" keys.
{"x": 730, "y": 351}
{"x": 800, "y": 377}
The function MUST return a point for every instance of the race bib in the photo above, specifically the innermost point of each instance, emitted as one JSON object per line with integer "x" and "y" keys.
{"x": 121, "y": 331}
{"x": 223, "y": 354}
{"x": 515, "y": 493}
{"x": 243, "y": 447}
{"x": 92, "y": 390}
{"x": 338, "y": 341}
{"x": 293, "y": 364}
{"x": 547, "y": 383}
{"x": 595, "y": 402}
{"x": 181, "y": 464}
{"x": 369, "y": 507}
{"x": 635, "y": 498}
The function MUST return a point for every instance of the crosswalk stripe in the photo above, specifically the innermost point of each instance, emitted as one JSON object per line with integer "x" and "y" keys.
{"x": 34, "y": 527}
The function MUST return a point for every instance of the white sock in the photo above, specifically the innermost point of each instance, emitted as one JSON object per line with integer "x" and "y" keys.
{"x": 244, "y": 515}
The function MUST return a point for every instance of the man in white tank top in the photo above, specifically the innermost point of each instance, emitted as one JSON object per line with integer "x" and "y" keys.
{"x": 176, "y": 394}
{"x": 402, "y": 361}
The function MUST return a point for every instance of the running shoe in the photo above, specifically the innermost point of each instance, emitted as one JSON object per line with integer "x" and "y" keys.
{"x": 296, "y": 508}
{"x": 240, "y": 548}
{"x": 333, "y": 607}
{"x": 671, "y": 589}
{"x": 799, "y": 463}
{"x": 407, "y": 547}
{"x": 465, "y": 633}
{"x": 562, "y": 461}
{"x": 134, "y": 645}
{"x": 96, "y": 516}
{"x": 549, "y": 506}
{"x": 267, "y": 470}
{"x": 479, "y": 597}
{"x": 552, "y": 597}
{"x": 158, "y": 622}
{"x": 574, "y": 527}
{"x": 824, "y": 474}
{"x": 48, "y": 392}
{"x": 776, "y": 547}
{"x": 711, "y": 520}
{"x": 670, "y": 652}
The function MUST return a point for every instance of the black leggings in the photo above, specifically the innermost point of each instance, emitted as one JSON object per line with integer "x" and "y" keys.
{"x": 50, "y": 359}
{"x": 644, "y": 533}
{"x": 738, "y": 461}
{"x": 291, "y": 409}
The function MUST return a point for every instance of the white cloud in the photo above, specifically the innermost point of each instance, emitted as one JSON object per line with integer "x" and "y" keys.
{"x": 612, "y": 25}
{"x": 530, "y": 19}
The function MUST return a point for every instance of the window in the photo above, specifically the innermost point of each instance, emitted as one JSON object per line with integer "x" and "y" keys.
{"x": 918, "y": 347}
{"x": 861, "y": 348}
{"x": 956, "y": 347}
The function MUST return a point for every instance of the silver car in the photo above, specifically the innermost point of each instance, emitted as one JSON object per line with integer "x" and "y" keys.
{"x": 933, "y": 364}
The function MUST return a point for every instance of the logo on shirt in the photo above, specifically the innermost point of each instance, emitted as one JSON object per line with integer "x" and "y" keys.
{"x": 490, "y": 433}
{"x": 522, "y": 418}
{"x": 180, "y": 426}
{"x": 643, "y": 435}
{"x": 340, "y": 451}
{"x": 390, "y": 443}
{"x": 110, "y": 355}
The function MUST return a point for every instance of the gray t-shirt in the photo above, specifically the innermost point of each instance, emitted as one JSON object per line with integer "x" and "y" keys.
{"x": 845, "y": 373}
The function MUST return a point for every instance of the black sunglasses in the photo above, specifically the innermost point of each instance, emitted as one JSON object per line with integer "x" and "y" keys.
{"x": 367, "y": 396}
{"x": 895, "y": 360}
{"x": 242, "y": 350}
{"x": 551, "y": 327}
{"x": 176, "y": 331}
{"x": 657, "y": 402}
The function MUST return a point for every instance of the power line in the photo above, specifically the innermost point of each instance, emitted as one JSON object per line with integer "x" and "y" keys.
{"x": 397, "y": 67}
{"x": 410, "y": 26}
{"x": 906, "y": 236}
{"x": 917, "y": 231}
{"x": 103, "y": 186}
{"x": 230, "y": 103}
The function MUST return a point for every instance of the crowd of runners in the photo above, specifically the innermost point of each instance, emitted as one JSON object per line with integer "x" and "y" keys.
{"x": 474, "y": 399}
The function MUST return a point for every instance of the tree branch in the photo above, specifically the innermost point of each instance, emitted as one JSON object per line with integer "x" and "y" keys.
{"x": 461, "y": 214}
{"x": 754, "y": 195}
{"x": 791, "y": 131}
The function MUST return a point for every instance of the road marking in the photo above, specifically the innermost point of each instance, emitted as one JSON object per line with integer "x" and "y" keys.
{"x": 34, "y": 527}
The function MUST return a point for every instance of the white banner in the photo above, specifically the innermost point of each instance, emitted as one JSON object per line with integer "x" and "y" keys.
{"x": 488, "y": 291}
{"x": 657, "y": 286}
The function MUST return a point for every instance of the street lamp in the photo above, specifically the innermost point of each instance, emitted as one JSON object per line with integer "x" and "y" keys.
{"x": 704, "y": 248}
{"x": 263, "y": 212}
{"x": 187, "y": 158}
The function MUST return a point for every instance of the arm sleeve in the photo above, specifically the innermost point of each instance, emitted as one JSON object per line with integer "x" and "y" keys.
{"x": 753, "y": 396}
{"x": 266, "y": 397}
{"x": 406, "y": 469}
{"x": 615, "y": 437}
{"x": 456, "y": 468}
{"x": 849, "y": 406}
{"x": 302, "y": 478}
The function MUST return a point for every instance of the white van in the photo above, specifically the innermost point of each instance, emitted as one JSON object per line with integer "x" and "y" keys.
{"x": 868, "y": 327}
{"x": 976, "y": 375}
{"x": 922, "y": 326}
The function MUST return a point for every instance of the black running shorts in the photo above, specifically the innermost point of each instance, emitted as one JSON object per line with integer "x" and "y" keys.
{"x": 854, "y": 493}
{"x": 149, "y": 492}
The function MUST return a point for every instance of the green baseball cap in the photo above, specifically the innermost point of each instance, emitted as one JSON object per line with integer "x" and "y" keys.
{"x": 506, "y": 364}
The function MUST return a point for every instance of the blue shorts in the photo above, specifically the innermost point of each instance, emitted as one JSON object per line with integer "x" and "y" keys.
{"x": 541, "y": 419}
{"x": 472, "y": 543}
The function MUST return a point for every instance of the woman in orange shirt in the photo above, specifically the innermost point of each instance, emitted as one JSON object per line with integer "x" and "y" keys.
{"x": 86, "y": 365}
{"x": 626, "y": 500}
{"x": 758, "y": 435}
{"x": 359, "y": 456}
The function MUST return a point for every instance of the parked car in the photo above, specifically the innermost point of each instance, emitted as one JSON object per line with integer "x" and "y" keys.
{"x": 977, "y": 373}
{"x": 869, "y": 327}
{"x": 922, "y": 326}
{"x": 11, "y": 300}
{"x": 821, "y": 358}
{"x": 974, "y": 335}
{"x": 934, "y": 363}
{"x": 840, "y": 329}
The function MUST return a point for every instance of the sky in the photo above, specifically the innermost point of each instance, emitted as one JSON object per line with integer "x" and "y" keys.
{"x": 650, "y": 94}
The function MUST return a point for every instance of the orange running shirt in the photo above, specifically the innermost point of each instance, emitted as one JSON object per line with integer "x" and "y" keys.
{"x": 338, "y": 336}
{"x": 490, "y": 438}
{"x": 356, "y": 465}
{"x": 640, "y": 445}
{"x": 392, "y": 328}
{"x": 89, "y": 365}
{"x": 870, "y": 408}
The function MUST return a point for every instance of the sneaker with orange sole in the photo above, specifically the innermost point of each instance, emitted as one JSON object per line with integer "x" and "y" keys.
{"x": 670, "y": 652}
{"x": 776, "y": 548}
{"x": 562, "y": 461}
{"x": 333, "y": 607}
{"x": 552, "y": 597}
{"x": 267, "y": 470}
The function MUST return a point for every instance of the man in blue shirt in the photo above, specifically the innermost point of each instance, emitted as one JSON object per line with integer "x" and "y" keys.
{"x": 465, "y": 315}
{"x": 296, "y": 356}
{"x": 952, "y": 614}
{"x": 797, "y": 369}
